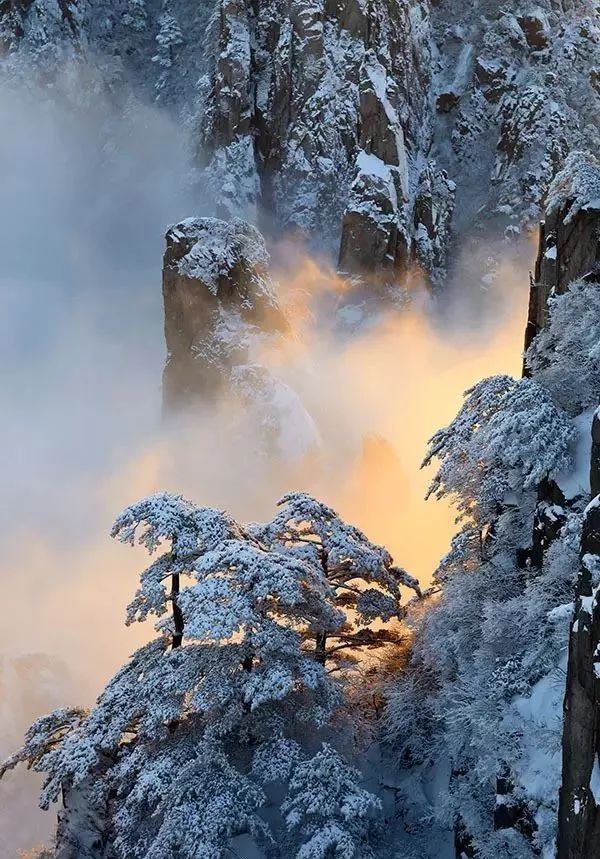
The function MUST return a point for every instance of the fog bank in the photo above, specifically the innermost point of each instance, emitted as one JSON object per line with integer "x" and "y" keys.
{"x": 87, "y": 198}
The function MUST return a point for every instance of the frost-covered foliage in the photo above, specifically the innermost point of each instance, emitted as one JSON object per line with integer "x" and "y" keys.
{"x": 135, "y": 15}
{"x": 172, "y": 759}
{"x": 168, "y": 42}
{"x": 133, "y": 48}
{"x": 508, "y": 436}
{"x": 478, "y": 710}
{"x": 362, "y": 575}
{"x": 565, "y": 356}
{"x": 326, "y": 803}
{"x": 183, "y": 798}
{"x": 42, "y": 741}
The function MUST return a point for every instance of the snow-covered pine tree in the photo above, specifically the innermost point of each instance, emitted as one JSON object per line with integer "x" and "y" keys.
{"x": 327, "y": 805}
{"x": 362, "y": 574}
{"x": 461, "y": 711}
{"x": 168, "y": 38}
{"x": 135, "y": 15}
{"x": 169, "y": 763}
{"x": 565, "y": 356}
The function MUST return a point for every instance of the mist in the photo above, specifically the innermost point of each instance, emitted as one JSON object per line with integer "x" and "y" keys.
{"x": 88, "y": 194}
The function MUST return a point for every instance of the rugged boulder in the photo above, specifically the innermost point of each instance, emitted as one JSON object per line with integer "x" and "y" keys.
{"x": 217, "y": 294}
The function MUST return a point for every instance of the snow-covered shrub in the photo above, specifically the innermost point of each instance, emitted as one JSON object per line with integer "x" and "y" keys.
{"x": 327, "y": 805}
{"x": 565, "y": 356}
{"x": 508, "y": 436}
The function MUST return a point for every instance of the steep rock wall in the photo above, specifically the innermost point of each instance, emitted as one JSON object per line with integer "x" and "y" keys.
{"x": 379, "y": 130}
{"x": 579, "y": 811}
{"x": 319, "y": 112}
{"x": 569, "y": 245}
{"x": 516, "y": 90}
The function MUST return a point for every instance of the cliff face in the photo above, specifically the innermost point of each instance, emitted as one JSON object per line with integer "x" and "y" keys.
{"x": 378, "y": 130}
{"x": 570, "y": 251}
{"x": 320, "y": 112}
{"x": 364, "y": 122}
{"x": 579, "y": 812}
{"x": 517, "y": 84}
{"x": 569, "y": 246}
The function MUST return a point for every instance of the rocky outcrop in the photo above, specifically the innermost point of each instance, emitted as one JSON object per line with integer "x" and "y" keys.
{"x": 569, "y": 245}
{"x": 570, "y": 251}
{"x": 513, "y": 102}
{"x": 217, "y": 293}
{"x": 319, "y": 113}
{"x": 220, "y": 307}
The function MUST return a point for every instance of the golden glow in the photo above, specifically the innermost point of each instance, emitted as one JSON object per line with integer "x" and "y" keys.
{"x": 376, "y": 398}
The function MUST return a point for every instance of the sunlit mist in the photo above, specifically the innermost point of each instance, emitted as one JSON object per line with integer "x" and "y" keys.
{"x": 85, "y": 435}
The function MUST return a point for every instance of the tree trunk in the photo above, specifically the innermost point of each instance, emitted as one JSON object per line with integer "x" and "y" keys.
{"x": 177, "y": 613}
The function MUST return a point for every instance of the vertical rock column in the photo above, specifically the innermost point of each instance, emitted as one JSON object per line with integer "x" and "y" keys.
{"x": 579, "y": 810}
{"x": 569, "y": 245}
{"x": 569, "y": 250}
{"x": 217, "y": 292}
{"x": 319, "y": 117}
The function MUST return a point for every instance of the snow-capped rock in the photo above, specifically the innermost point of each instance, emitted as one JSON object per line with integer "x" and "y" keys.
{"x": 220, "y": 306}
{"x": 285, "y": 104}
{"x": 217, "y": 294}
{"x": 569, "y": 246}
